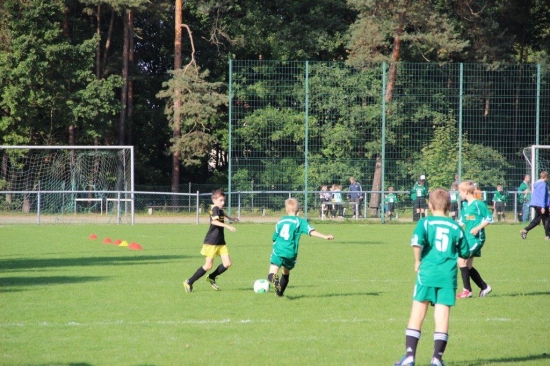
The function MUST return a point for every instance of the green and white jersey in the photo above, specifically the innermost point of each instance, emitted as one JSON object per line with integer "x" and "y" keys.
{"x": 442, "y": 242}
{"x": 454, "y": 196}
{"x": 390, "y": 198}
{"x": 420, "y": 190}
{"x": 286, "y": 238}
{"x": 471, "y": 215}
{"x": 522, "y": 196}
{"x": 499, "y": 196}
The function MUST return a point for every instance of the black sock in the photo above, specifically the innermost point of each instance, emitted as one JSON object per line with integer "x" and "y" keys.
{"x": 440, "y": 343}
{"x": 465, "y": 272}
{"x": 218, "y": 271}
{"x": 412, "y": 336}
{"x": 284, "y": 282}
{"x": 476, "y": 277}
{"x": 198, "y": 274}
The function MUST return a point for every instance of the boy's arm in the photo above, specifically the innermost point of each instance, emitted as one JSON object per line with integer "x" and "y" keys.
{"x": 222, "y": 224}
{"x": 233, "y": 219}
{"x": 319, "y": 235}
{"x": 417, "y": 250}
{"x": 478, "y": 228}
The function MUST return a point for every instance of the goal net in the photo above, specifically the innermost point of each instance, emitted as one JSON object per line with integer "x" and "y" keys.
{"x": 67, "y": 183}
{"x": 538, "y": 159}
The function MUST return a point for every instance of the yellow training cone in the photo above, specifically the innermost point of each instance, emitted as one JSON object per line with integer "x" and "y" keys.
{"x": 123, "y": 244}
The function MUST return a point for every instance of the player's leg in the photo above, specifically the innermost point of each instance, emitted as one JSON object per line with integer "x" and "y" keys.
{"x": 224, "y": 266}
{"x": 285, "y": 277}
{"x": 465, "y": 274}
{"x": 272, "y": 277}
{"x": 208, "y": 251}
{"x": 412, "y": 333}
{"x": 441, "y": 334}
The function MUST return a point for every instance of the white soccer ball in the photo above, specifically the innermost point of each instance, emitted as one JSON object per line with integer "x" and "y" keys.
{"x": 261, "y": 286}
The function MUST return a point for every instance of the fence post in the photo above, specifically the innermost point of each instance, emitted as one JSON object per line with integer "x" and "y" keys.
{"x": 239, "y": 205}
{"x": 197, "y": 209}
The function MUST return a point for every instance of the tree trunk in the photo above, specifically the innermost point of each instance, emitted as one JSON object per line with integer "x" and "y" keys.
{"x": 98, "y": 49}
{"x": 177, "y": 95}
{"x": 124, "y": 89}
{"x": 130, "y": 115}
{"x": 108, "y": 42}
{"x": 395, "y": 57}
{"x": 374, "y": 203}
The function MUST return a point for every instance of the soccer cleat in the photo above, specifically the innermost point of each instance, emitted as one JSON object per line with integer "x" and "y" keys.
{"x": 523, "y": 234}
{"x": 188, "y": 286}
{"x": 436, "y": 362}
{"x": 547, "y": 238}
{"x": 275, "y": 283}
{"x": 405, "y": 361}
{"x": 464, "y": 294}
{"x": 212, "y": 283}
{"x": 485, "y": 292}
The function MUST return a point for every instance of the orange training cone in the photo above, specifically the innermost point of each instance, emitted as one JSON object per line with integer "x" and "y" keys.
{"x": 118, "y": 241}
{"x": 135, "y": 246}
{"x": 92, "y": 237}
{"x": 107, "y": 241}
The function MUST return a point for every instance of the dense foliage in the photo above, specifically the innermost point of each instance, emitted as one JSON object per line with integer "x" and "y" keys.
{"x": 102, "y": 71}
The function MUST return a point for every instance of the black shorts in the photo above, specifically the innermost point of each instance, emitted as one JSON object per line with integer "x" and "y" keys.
{"x": 454, "y": 207}
{"x": 420, "y": 202}
{"x": 391, "y": 206}
{"x": 499, "y": 206}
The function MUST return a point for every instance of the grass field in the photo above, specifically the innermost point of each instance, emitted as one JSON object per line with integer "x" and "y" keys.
{"x": 69, "y": 300}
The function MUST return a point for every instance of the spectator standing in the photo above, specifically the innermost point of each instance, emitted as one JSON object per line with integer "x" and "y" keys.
{"x": 419, "y": 192}
{"x": 355, "y": 195}
{"x": 524, "y": 197}
{"x": 499, "y": 202}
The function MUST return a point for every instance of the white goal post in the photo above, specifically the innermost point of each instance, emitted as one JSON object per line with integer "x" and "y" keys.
{"x": 538, "y": 158}
{"x": 67, "y": 183}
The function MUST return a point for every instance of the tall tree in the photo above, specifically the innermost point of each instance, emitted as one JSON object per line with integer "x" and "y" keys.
{"x": 177, "y": 94}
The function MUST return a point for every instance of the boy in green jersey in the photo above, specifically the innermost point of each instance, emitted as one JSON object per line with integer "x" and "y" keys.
{"x": 437, "y": 243}
{"x": 474, "y": 216}
{"x": 286, "y": 240}
{"x": 390, "y": 200}
{"x": 499, "y": 202}
{"x": 419, "y": 192}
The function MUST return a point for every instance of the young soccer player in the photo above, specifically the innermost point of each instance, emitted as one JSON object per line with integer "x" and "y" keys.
{"x": 214, "y": 244}
{"x": 286, "y": 241}
{"x": 437, "y": 243}
{"x": 390, "y": 200}
{"x": 499, "y": 202}
{"x": 474, "y": 216}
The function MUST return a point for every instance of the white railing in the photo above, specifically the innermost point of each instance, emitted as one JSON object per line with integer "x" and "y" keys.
{"x": 125, "y": 207}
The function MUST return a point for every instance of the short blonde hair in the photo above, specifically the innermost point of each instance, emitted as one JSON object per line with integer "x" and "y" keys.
{"x": 292, "y": 205}
{"x": 467, "y": 186}
{"x": 440, "y": 200}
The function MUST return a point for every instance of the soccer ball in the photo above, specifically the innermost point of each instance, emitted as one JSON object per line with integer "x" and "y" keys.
{"x": 261, "y": 286}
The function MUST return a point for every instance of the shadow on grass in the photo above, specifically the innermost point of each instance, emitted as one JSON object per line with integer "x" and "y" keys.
{"x": 547, "y": 293}
{"x": 347, "y": 294}
{"x": 510, "y": 360}
{"x": 63, "y": 364}
{"x": 22, "y": 264}
{"x": 10, "y": 284}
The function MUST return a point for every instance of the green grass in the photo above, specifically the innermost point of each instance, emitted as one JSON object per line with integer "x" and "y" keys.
{"x": 68, "y": 300}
